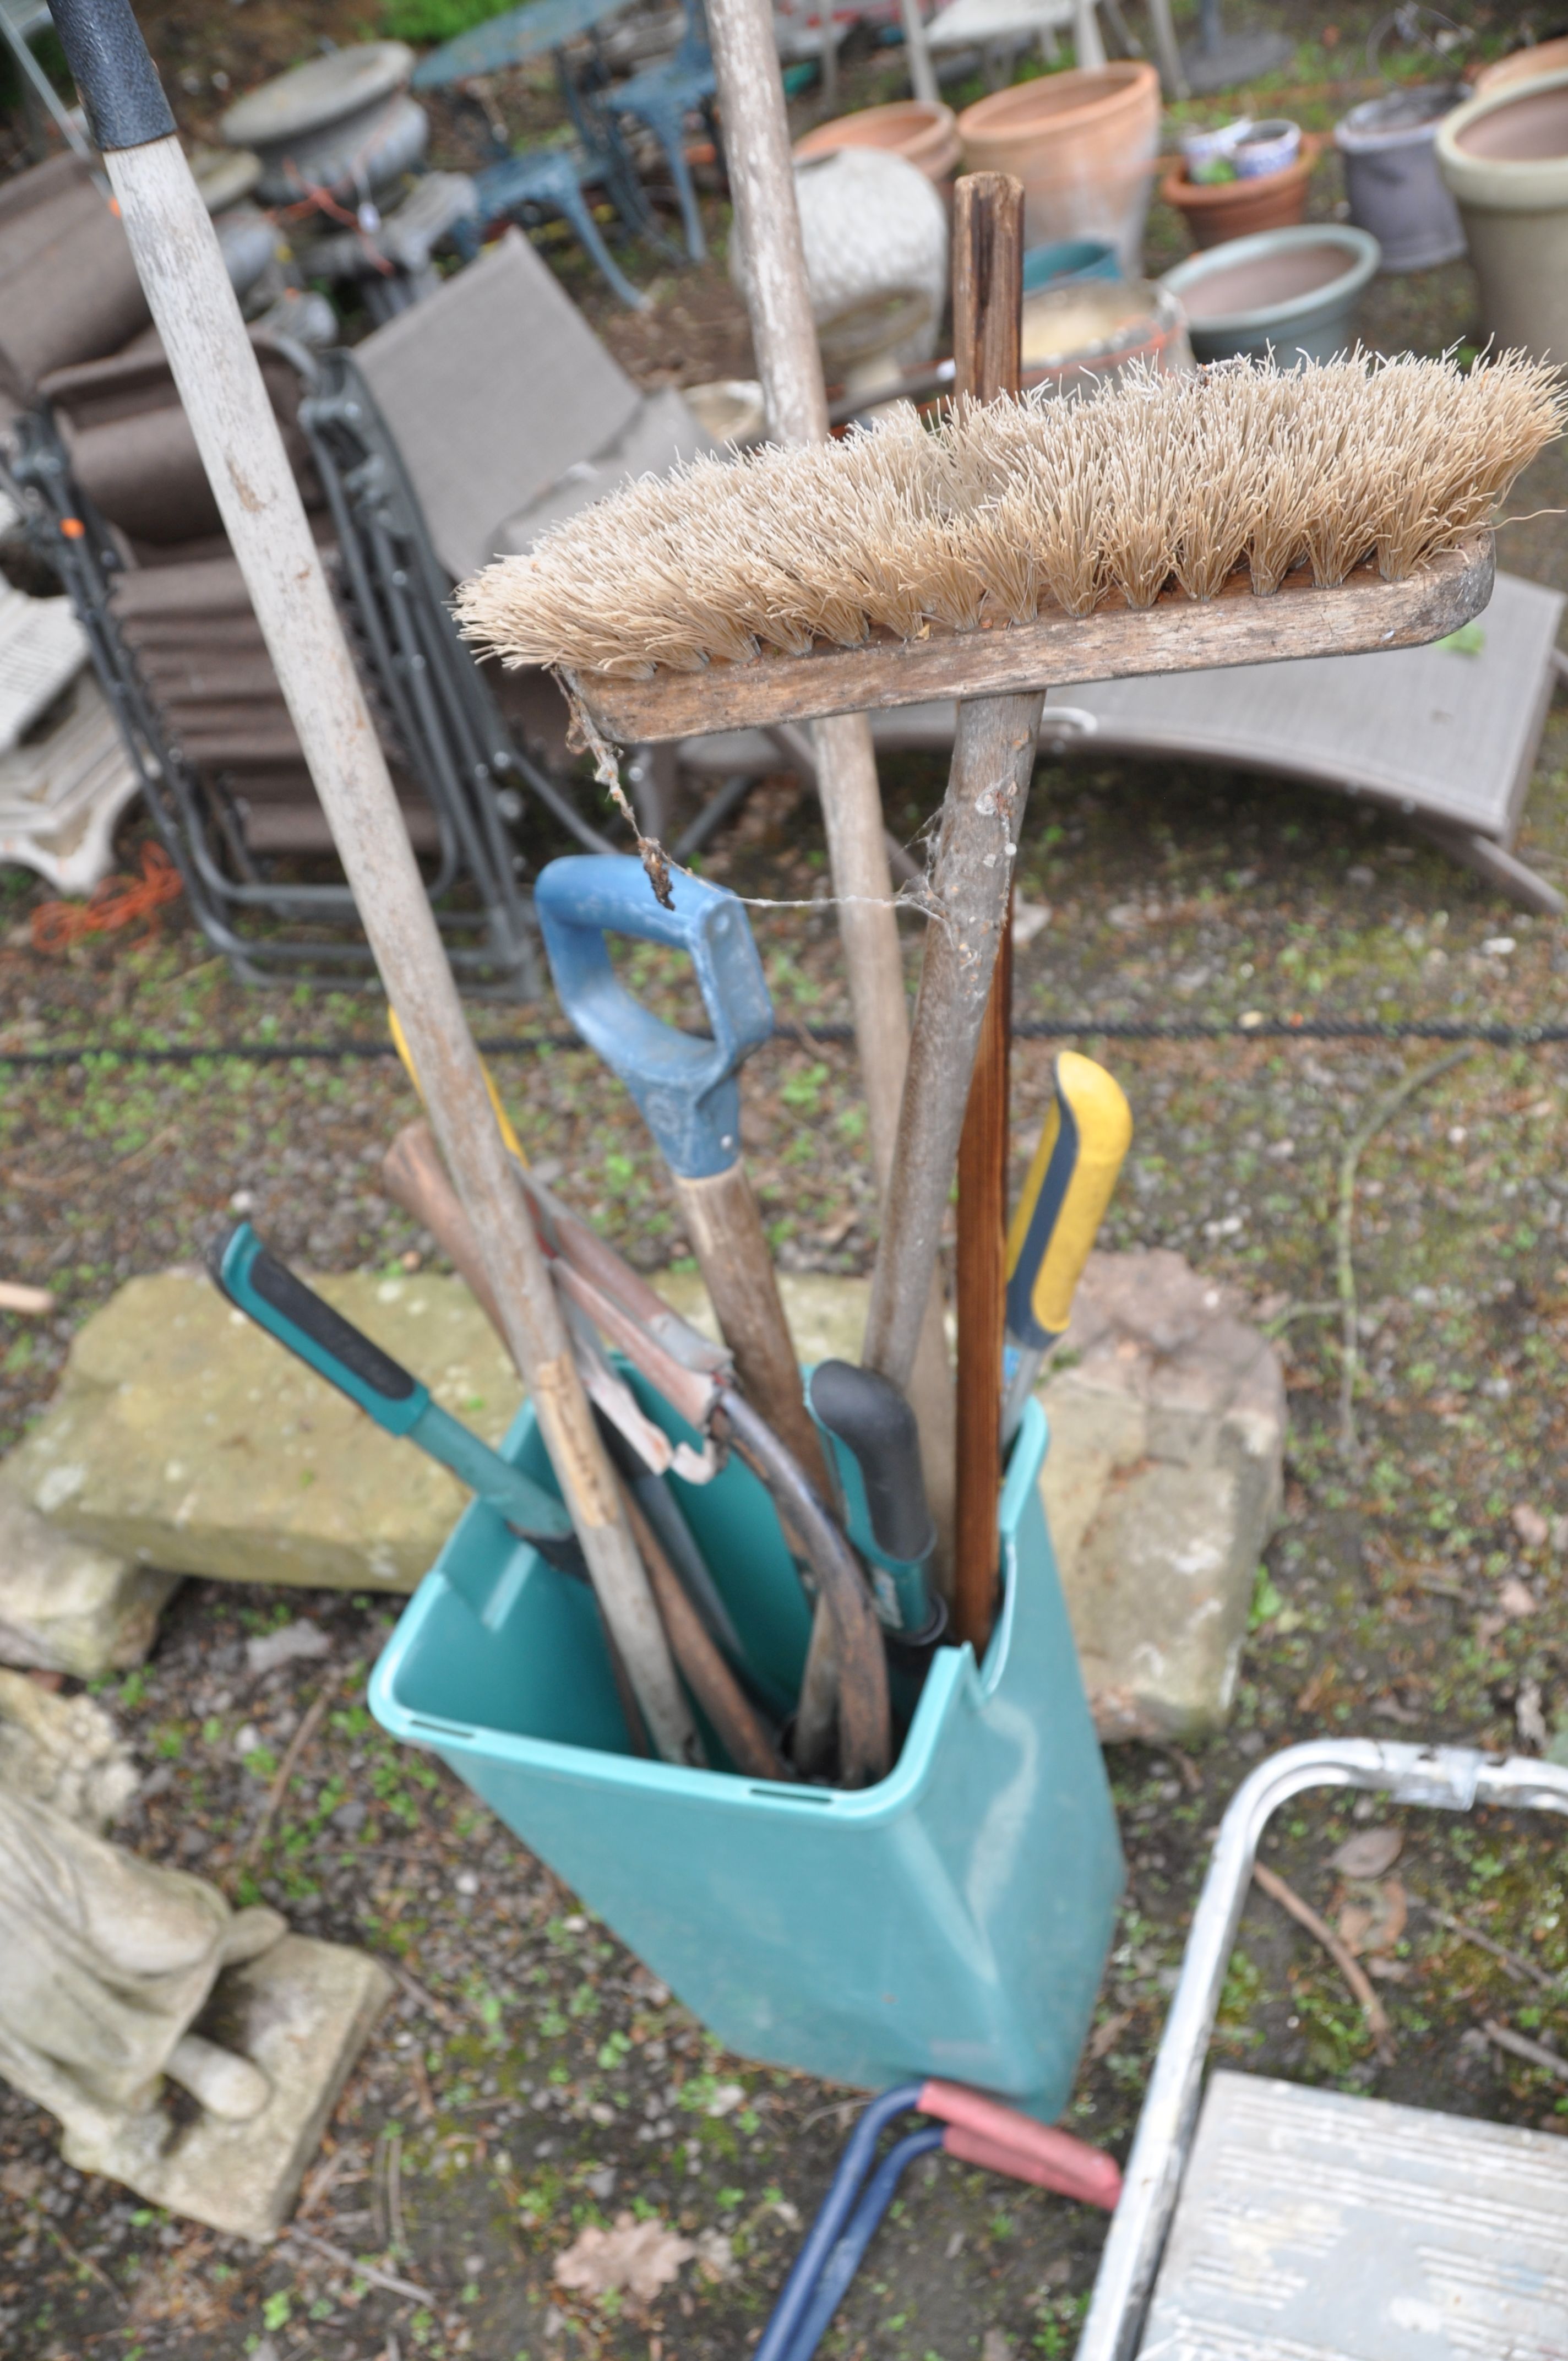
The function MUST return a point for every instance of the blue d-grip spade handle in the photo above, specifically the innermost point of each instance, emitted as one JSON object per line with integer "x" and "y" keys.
{"x": 685, "y": 1089}
{"x": 265, "y": 1288}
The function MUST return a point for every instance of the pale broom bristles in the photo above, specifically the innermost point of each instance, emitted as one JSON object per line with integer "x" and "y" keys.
{"x": 1010, "y": 510}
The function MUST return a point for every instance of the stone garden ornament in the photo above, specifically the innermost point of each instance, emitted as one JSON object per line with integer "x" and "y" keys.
{"x": 190, "y": 2051}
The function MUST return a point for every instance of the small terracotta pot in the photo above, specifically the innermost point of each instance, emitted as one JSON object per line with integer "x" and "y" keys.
{"x": 924, "y": 132}
{"x": 1226, "y": 209}
{"x": 1083, "y": 144}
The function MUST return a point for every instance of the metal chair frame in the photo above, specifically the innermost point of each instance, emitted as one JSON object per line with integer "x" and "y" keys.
{"x": 434, "y": 708}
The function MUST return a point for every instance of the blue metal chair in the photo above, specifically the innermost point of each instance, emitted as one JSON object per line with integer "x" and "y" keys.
{"x": 550, "y": 179}
{"x": 662, "y": 98}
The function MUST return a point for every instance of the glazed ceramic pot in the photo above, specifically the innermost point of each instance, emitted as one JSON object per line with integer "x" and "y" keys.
{"x": 1388, "y": 151}
{"x": 1292, "y": 292}
{"x": 1504, "y": 157}
{"x": 1068, "y": 261}
{"x": 1084, "y": 146}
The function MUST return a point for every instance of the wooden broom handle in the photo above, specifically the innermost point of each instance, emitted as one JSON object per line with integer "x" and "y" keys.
{"x": 217, "y": 377}
{"x": 789, "y": 364}
{"x": 988, "y": 295}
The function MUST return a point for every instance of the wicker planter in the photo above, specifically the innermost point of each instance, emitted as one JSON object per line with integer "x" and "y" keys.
{"x": 1217, "y": 212}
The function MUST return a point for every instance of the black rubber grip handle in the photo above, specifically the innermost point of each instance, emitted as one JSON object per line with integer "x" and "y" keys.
{"x": 867, "y": 1412}
{"x": 112, "y": 70}
{"x": 277, "y": 1285}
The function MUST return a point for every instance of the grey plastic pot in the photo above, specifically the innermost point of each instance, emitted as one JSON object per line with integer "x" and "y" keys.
{"x": 1289, "y": 291}
{"x": 1388, "y": 149}
{"x": 1505, "y": 157}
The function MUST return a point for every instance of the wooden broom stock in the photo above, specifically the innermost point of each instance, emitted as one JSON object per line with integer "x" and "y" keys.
{"x": 216, "y": 372}
{"x": 988, "y": 295}
{"x": 971, "y": 882}
{"x": 789, "y": 362}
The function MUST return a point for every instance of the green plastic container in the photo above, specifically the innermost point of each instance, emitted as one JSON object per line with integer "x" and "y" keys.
{"x": 952, "y": 1920}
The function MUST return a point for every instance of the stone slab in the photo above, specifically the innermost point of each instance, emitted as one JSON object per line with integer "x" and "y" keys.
{"x": 302, "y": 2012}
{"x": 67, "y": 1605}
{"x": 1162, "y": 1484}
{"x": 183, "y": 1438}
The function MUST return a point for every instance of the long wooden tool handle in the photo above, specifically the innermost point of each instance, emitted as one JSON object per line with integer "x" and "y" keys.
{"x": 415, "y": 1179}
{"x": 216, "y": 371}
{"x": 725, "y": 1227}
{"x": 789, "y": 363}
{"x": 414, "y": 1176}
{"x": 988, "y": 295}
{"x": 740, "y": 1727}
{"x": 971, "y": 882}
{"x": 993, "y": 760}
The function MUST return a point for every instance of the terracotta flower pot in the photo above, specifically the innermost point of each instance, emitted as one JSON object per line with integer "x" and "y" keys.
{"x": 1524, "y": 65}
{"x": 1084, "y": 146}
{"x": 924, "y": 132}
{"x": 1222, "y": 210}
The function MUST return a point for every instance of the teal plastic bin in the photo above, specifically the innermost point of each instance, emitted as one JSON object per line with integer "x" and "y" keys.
{"x": 952, "y": 1920}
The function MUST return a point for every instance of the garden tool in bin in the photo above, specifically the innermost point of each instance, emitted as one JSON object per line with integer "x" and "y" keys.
{"x": 601, "y": 1291}
{"x": 686, "y": 1089}
{"x": 1085, "y": 1139}
{"x": 257, "y": 1284}
{"x": 874, "y": 1445}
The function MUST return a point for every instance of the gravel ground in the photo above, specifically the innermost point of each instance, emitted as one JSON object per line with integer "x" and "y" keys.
{"x": 531, "y": 2079}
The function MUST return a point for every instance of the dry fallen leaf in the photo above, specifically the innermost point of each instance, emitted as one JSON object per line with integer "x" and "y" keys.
{"x": 1354, "y": 1925}
{"x": 1369, "y": 1852}
{"x": 715, "y": 2256}
{"x": 1529, "y": 1719}
{"x": 640, "y": 2256}
{"x": 1393, "y": 1915}
{"x": 1515, "y": 1598}
{"x": 1531, "y": 1526}
{"x": 1105, "y": 2037}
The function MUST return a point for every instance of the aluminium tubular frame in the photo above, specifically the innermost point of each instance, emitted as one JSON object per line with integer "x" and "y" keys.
{"x": 1449, "y": 1778}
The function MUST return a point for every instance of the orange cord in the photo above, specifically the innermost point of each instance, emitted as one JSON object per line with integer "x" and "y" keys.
{"x": 118, "y": 902}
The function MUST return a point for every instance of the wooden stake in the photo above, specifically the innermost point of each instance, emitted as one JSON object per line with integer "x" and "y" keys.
{"x": 987, "y": 293}
{"x": 216, "y": 372}
{"x": 789, "y": 362}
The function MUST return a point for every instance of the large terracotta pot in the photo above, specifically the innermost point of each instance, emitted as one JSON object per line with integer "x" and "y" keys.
{"x": 1524, "y": 65}
{"x": 1219, "y": 211}
{"x": 1505, "y": 157}
{"x": 924, "y": 132}
{"x": 1083, "y": 144}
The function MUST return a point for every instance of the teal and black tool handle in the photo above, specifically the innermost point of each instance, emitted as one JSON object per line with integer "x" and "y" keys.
{"x": 257, "y": 1284}
{"x": 875, "y": 1446}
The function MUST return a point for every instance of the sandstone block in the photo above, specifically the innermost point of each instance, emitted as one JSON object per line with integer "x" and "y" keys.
{"x": 1162, "y": 1484}
{"x": 183, "y": 1438}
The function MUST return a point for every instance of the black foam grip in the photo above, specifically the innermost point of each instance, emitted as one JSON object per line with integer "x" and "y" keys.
{"x": 112, "y": 70}
{"x": 277, "y": 1285}
{"x": 868, "y": 1413}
